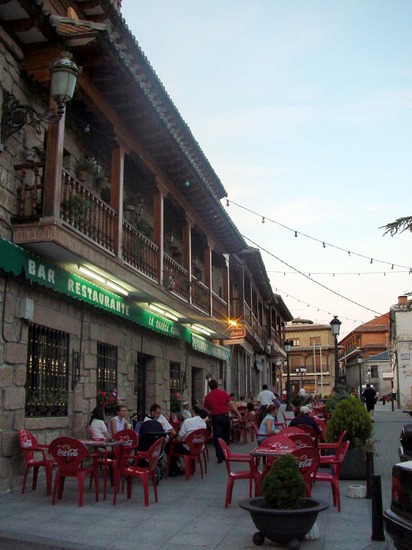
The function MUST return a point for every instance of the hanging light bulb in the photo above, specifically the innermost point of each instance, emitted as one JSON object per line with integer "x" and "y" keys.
{"x": 371, "y": 260}
{"x": 227, "y": 203}
{"x": 296, "y": 233}
{"x": 263, "y": 219}
{"x": 392, "y": 266}
{"x": 324, "y": 245}
{"x": 348, "y": 252}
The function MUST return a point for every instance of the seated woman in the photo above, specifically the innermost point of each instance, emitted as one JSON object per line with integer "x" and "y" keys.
{"x": 267, "y": 426}
{"x": 97, "y": 426}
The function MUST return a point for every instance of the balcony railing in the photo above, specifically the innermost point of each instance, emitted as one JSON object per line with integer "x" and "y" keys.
{"x": 200, "y": 295}
{"x": 175, "y": 278}
{"x": 139, "y": 251}
{"x": 87, "y": 213}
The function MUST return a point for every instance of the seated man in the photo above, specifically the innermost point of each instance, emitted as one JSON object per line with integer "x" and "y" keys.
{"x": 304, "y": 418}
{"x": 196, "y": 422}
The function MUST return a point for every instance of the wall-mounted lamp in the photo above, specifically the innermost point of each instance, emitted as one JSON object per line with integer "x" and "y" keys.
{"x": 64, "y": 73}
{"x": 171, "y": 238}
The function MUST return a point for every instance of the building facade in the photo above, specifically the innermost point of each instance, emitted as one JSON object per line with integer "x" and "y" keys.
{"x": 401, "y": 350}
{"x": 312, "y": 357}
{"x": 359, "y": 348}
{"x": 120, "y": 271}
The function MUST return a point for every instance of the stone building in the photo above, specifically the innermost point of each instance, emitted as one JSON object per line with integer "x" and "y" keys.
{"x": 401, "y": 350}
{"x": 120, "y": 270}
{"x": 312, "y": 357}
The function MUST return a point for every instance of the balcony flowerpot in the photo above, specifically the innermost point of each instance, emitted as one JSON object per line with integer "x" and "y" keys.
{"x": 283, "y": 526}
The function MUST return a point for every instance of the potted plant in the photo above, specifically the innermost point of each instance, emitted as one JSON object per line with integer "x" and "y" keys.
{"x": 283, "y": 514}
{"x": 350, "y": 415}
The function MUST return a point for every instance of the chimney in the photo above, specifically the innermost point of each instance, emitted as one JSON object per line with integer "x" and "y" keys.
{"x": 402, "y": 300}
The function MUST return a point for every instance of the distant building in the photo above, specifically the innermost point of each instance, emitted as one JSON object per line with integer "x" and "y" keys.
{"x": 313, "y": 350}
{"x": 360, "y": 350}
{"x": 401, "y": 349}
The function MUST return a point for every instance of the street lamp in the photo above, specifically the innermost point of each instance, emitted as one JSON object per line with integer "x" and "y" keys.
{"x": 359, "y": 359}
{"x": 369, "y": 375}
{"x": 279, "y": 370}
{"x": 335, "y": 324}
{"x": 287, "y": 345}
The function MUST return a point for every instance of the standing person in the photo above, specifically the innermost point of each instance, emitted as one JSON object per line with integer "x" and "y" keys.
{"x": 118, "y": 422}
{"x": 369, "y": 395}
{"x": 265, "y": 398}
{"x": 218, "y": 403}
{"x": 97, "y": 426}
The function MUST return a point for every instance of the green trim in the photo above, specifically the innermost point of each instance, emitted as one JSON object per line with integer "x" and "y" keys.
{"x": 209, "y": 348}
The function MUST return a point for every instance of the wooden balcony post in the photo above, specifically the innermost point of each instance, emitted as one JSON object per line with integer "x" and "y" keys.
{"x": 54, "y": 166}
{"x": 158, "y": 225}
{"x": 116, "y": 195}
{"x": 208, "y": 270}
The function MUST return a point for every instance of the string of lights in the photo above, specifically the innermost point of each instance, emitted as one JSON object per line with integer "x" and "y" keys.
{"x": 335, "y": 273}
{"x": 288, "y": 295}
{"x": 324, "y": 244}
{"x": 310, "y": 278}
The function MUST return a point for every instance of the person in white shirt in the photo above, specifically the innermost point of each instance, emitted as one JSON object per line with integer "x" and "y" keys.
{"x": 196, "y": 422}
{"x": 156, "y": 414}
{"x": 97, "y": 426}
{"x": 119, "y": 422}
{"x": 186, "y": 410}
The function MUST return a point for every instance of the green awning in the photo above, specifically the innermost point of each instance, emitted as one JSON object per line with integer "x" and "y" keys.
{"x": 209, "y": 348}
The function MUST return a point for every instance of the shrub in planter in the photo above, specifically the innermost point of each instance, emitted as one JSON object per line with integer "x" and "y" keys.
{"x": 283, "y": 487}
{"x": 350, "y": 415}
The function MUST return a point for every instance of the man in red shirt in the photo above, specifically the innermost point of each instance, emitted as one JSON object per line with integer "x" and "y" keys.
{"x": 218, "y": 403}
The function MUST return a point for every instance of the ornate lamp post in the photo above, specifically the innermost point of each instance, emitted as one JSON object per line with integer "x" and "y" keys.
{"x": 287, "y": 345}
{"x": 359, "y": 359}
{"x": 279, "y": 370}
{"x": 335, "y": 324}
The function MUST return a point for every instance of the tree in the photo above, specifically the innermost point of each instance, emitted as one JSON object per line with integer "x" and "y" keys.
{"x": 398, "y": 226}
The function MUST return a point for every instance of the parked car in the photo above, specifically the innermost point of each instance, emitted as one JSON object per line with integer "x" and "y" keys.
{"x": 398, "y": 518}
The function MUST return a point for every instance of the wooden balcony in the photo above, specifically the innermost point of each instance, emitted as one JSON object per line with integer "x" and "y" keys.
{"x": 87, "y": 214}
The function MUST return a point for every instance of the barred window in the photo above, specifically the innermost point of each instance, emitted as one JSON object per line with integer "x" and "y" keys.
{"x": 106, "y": 367}
{"x": 47, "y": 372}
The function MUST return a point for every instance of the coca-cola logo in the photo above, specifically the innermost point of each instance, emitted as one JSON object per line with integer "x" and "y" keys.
{"x": 198, "y": 440}
{"x": 67, "y": 453}
{"x": 305, "y": 463}
{"x": 27, "y": 444}
{"x": 127, "y": 441}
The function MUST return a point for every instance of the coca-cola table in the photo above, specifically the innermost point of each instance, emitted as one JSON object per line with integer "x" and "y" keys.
{"x": 277, "y": 447}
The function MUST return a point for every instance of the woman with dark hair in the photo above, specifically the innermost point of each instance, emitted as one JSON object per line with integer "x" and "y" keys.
{"x": 97, "y": 426}
{"x": 268, "y": 426}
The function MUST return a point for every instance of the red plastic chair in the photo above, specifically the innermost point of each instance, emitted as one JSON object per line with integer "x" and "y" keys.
{"x": 311, "y": 432}
{"x": 308, "y": 458}
{"x": 302, "y": 440}
{"x": 252, "y": 474}
{"x": 335, "y": 461}
{"x": 69, "y": 454}
{"x": 196, "y": 441}
{"x": 286, "y": 432}
{"x": 111, "y": 458}
{"x": 241, "y": 427}
{"x": 145, "y": 473}
{"x": 29, "y": 446}
{"x": 331, "y": 446}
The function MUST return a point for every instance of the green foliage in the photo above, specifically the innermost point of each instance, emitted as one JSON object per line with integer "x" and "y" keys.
{"x": 398, "y": 226}
{"x": 350, "y": 415}
{"x": 284, "y": 487}
{"x": 335, "y": 398}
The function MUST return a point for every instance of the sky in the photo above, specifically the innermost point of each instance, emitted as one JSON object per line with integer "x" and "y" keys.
{"x": 304, "y": 110}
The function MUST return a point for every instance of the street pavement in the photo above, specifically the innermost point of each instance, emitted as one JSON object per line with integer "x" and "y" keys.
{"x": 190, "y": 514}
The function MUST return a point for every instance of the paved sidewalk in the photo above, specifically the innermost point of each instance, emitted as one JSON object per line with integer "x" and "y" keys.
{"x": 189, "y": 514}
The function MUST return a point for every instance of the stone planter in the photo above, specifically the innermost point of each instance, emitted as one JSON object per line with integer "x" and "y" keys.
{"x": 354, "y": 465}
{"x": 282, "y": 526}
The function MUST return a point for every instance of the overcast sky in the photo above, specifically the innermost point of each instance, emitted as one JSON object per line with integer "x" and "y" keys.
{"x": 304, "y": 109}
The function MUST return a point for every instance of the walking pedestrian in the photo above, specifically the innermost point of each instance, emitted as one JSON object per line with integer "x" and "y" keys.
{"x": 369, "y": 395}
{"x": 218, "y": 403}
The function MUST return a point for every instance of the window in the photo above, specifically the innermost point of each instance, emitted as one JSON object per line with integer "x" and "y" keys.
{"x": 374, "y": 371}
{"x": 47, "y": 372}
{"x": 315, "y": 341}
{"x": 295, "y": 342}
{"x": 106, "y": 367}
{"x": 175, "y": 395}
